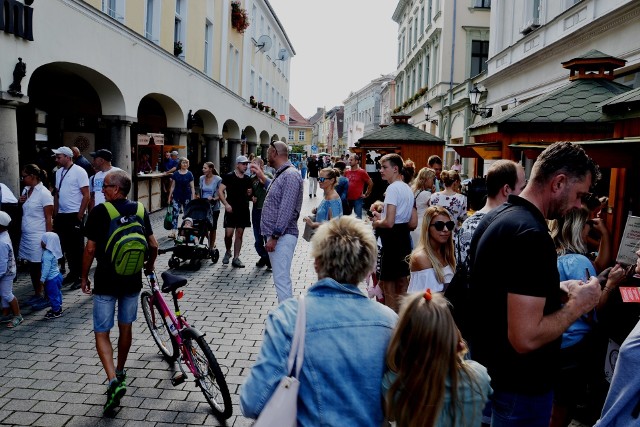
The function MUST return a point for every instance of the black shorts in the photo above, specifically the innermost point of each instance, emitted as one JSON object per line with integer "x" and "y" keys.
{"x": 239, "y": 218}
{"x": 212, "y": 220}
{"x": 396, "y": 248}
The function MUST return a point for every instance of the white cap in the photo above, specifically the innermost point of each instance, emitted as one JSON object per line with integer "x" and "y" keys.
{"x": 174, "y": 153}
{"x": 63, "y": 150}
{"x": 5, "y": 219}
{"x": 242, "y": 159}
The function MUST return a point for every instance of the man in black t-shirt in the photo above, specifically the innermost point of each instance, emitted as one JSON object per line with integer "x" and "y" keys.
{"x": 313, "y": 166}
{"x": 234, "y": 193}
{"x": 111, "y": 287}
{"x": 517, "y": 315}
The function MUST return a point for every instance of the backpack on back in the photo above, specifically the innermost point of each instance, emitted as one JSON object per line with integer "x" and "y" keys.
{"x": 127, "y": 245}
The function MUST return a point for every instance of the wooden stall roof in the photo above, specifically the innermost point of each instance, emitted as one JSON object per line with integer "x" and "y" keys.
{"x": 486, "y": 151}
{"x": 400, "y": 132}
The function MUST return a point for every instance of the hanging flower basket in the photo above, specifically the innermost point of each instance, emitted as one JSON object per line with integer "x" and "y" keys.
{"x": 239, "y": 17}
{"x": 177, "y": 48}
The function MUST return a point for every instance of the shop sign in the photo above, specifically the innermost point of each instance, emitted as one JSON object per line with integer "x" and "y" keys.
{"x": 151, "y": 139}
{"x": 17, "y": 18}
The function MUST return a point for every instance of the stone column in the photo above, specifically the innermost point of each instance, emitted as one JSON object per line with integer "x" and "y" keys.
{"x": 120, "y": 141}
{"x": 234, "y": 151}
{"x": 178, "y": 136}
{"x": 9, "y": 167}
{"x": 213, "y": 149}
{"x": 252, "y": 147}
{"x": 263, "y": 153}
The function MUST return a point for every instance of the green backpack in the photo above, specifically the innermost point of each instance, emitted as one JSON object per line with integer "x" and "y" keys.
{"x": 127, "y": 245}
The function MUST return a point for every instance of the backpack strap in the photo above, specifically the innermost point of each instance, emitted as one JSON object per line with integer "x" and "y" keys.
{"x": 113, "y": 212}
{"x": 140, "y": 211}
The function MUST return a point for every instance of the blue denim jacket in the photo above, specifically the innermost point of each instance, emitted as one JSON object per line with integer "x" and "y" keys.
{"x": 344, "y": 357}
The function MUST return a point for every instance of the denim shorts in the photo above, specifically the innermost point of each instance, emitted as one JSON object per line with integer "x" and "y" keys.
{"x": 104, "y": 307}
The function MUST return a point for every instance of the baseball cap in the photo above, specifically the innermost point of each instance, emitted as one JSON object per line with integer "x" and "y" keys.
{"x": 174, "y": 153}
{"x": 63, "y": 150}
{"x": 242, "y": 159}
{"x": 105, "y": 154}
{"x": 5, "y": 219}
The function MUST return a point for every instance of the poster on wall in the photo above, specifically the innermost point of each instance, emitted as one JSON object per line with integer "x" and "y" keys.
{"x": 86, "y": 142}
{"x": 150, "y": 139}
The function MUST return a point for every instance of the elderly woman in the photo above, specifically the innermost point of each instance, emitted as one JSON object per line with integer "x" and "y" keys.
{"x": 37, "y": 212}
{"x": 340, "y": 384}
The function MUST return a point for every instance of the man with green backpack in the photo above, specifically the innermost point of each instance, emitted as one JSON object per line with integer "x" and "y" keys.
{"x": 119, "y": 236}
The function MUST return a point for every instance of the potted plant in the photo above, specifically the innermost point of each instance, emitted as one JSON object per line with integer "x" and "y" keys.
{"x": 266, "y": 108}
{"x": 177, "y": 48}
{"x": 260, "y": 106}
{"x": 239, "y": 17}
{"x": 273, "y": 113}
{"x": 253, "y": 102}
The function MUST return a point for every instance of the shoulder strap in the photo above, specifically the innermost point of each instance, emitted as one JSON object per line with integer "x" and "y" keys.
{"x": 296, "y": 354}
{"x": 140, "y": 210}
{"x": 113, "y": 212}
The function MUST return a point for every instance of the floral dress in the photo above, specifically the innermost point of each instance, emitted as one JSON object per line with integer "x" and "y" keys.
{"x": 456, "y": 204}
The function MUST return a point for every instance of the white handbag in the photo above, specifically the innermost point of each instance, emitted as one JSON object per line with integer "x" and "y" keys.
{"x": 282, "y": 408}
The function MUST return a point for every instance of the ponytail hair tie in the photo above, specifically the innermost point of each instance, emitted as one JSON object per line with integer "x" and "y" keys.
{"x": 427, "y": 295}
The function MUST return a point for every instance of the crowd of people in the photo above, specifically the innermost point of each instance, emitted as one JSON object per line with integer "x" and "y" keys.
{"x": 535, "y": 262}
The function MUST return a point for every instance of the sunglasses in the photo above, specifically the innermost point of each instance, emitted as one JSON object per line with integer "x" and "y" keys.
{"x": 108, "y": 185}
{"x": 322, "y": 179}
{"x": 440, "y": 225}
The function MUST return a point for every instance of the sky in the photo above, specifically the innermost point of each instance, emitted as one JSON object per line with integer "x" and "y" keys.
{"x": 340, "y": 45}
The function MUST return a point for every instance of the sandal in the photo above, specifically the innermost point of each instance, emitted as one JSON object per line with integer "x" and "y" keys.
{"x": 15, "y": 322}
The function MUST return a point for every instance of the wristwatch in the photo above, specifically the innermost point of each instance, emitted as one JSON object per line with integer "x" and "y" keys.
{"x": 275, "y": 236}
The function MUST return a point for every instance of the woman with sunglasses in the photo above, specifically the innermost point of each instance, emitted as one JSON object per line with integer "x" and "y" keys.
{"x": 433, "y": 262}
{"x": 331, "y": 205}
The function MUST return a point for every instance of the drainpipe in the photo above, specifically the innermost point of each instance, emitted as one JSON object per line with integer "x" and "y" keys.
{"x": 453, "y": 43}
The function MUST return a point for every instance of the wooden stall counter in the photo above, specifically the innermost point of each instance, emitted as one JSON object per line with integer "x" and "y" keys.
{"x": 149, "y": 190}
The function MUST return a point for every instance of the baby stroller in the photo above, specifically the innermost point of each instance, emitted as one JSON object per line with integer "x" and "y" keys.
{"x": 189, "y": 243}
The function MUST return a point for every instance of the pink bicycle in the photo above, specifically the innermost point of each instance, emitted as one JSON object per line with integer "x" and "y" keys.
{"x": 179, "y": 341}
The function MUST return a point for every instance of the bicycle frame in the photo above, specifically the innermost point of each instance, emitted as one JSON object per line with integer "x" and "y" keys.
{"x": 178, "y": 321}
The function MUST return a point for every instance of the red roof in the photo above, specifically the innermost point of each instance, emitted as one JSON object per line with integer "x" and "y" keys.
{"x": 296, "y": 119}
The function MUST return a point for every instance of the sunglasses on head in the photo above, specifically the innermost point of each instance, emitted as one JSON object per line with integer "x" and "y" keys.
{"x": 440, "y": 225}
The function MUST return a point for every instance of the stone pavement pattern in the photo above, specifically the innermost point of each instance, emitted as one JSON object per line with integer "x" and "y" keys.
{"x": 50, "y": 374}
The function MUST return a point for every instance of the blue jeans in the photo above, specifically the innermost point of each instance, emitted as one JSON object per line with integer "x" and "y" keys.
{"x": 281, "y": 259}
{"x": 53, "y": 288}
{"x": 256, "y": 214}
{"x": 104, "y": 308}
{"x": 520, "y": 410}
{"x": 176, "y": 211}
{"x": 357, "y": 206}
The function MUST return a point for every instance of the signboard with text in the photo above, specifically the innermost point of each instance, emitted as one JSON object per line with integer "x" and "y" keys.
{"x": 630, "y": 242}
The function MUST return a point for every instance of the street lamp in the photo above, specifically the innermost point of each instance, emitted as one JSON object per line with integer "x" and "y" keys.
{"x": 474, "y": 99}
{"x": 427, "y": 110}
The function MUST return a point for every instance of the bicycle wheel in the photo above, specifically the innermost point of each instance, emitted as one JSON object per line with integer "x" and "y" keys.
{"x": 209, "y": 376}
{"x": 158, "y": 327}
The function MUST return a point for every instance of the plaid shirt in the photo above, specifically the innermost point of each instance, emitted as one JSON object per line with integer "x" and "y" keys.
{"x": 282, "y": 205}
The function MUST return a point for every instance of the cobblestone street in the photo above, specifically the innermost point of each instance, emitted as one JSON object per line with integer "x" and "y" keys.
{"x": 50, "y": 374}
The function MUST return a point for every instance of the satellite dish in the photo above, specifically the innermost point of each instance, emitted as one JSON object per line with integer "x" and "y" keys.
{"x": 263, "y": 43}
{"x": 283, "y": 55}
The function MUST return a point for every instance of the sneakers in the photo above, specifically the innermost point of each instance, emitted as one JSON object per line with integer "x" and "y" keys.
{"x": 121, "y": 376}
{"x": 15, "y": 322}
{"x": 226, "y": 258}
{"x": 53, "y": 314}
{"x": 237, "y": 263}
{"x": 262, "y": 261}
{"x": 114, "y": 393}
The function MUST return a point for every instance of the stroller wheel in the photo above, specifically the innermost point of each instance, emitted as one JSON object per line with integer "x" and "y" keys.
{"x": 215, "y": 255}
{"x": 174, "y": 262}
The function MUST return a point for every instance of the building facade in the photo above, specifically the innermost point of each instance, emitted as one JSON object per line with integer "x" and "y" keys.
{"x": 442, "y": 48}
{"x": 300, "y": 130}
{"x": 182, "y": 69}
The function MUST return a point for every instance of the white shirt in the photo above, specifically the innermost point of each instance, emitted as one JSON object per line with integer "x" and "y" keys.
{"x": 422, "y": 280}
{"x": 34, "y": 223}
{"x": 400, "y": 195}
{"x": 7, "y": 195}
{"x": 68, "y": 183}
{"x": 95, "y": 185}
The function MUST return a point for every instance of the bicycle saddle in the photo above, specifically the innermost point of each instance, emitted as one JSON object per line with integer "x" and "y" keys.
{"x": 171, "y": 282}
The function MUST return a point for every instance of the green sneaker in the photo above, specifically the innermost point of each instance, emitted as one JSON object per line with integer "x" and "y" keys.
{"x": 114, "y": 393}
{"x": 122, "y": 377}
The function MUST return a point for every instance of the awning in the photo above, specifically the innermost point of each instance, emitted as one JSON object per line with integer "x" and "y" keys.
{"x": 531, "y": 149}
{"x": 608, "y": 153}
{"x": 486, "y": 151}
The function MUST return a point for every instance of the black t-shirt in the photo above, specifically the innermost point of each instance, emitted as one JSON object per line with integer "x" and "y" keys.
{"x": 237, "y": 190}
{"x": 106, "y": 280}
{"x": 314, "y": 167}
{"x": 512, "y": 252}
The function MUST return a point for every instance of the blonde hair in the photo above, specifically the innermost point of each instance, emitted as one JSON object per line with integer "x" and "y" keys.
{"x": 423, "y": 245}
{"x": 425, "y": 349}
{"x": 344, "y": 249}
{"x": 331, "y": 173}
{"x": 423, "y": 176}
{"x": 567, "y": 232}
